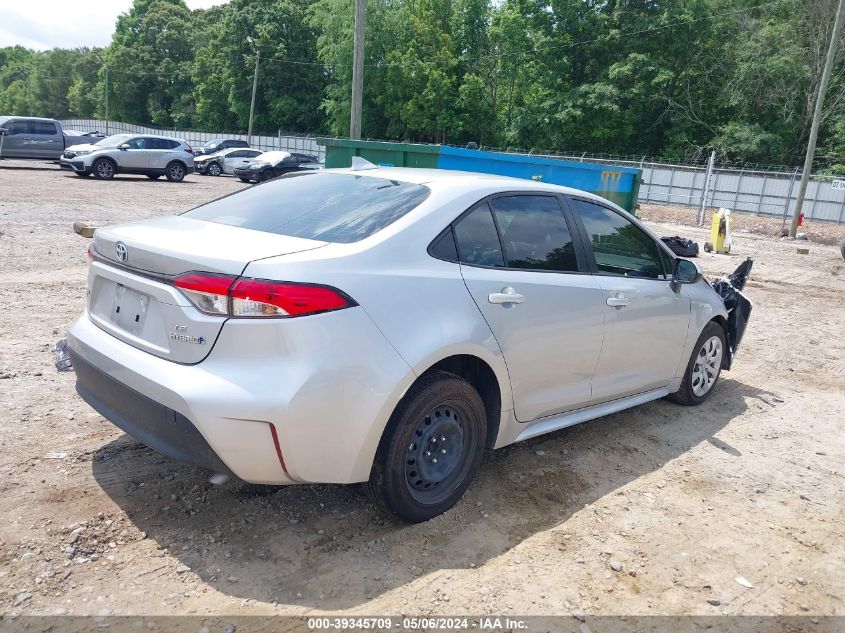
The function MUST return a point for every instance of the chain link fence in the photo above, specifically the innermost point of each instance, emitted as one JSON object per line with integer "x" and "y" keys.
{"x": 303, "y": 143}
{"x": 758, "y": 191}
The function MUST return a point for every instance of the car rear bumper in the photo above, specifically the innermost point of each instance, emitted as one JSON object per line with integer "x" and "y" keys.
{"x": 305, "y": 401}
{"x": 148, "y": 421}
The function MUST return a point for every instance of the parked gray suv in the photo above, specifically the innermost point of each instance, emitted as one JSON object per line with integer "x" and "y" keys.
{"x": 152, "y": 156}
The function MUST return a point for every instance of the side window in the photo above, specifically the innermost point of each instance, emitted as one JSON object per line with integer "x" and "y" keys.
{"x": 534, "y": 233}
{"x": 137, "y": 143}
{"x": 44, "y": 127}
{"x": 620, "y": 247}
{"x": 237, "y": 154}
{"x": 443, "y": 246}
{"x": 168, "y": 144}
{"x": 19, "y": 127}
{"x": 251, "y": 153}
{"x": 478, "y": 241}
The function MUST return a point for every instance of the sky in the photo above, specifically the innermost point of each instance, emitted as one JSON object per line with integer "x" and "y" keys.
{"x": 43, "y": 24}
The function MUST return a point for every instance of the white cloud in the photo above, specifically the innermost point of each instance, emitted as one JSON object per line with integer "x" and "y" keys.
{"x": 44, "y": 24}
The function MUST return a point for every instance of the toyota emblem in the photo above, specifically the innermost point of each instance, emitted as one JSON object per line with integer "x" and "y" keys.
{"x": 120, "y": 251}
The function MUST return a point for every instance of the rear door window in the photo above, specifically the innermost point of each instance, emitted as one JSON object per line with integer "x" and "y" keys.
{"x": 44, "y": 127}
{"x": 477, "y": 238}
{"x": 534, "y": 233}
{"x": 620, "y": 247}
{"x": 328, "y": 207}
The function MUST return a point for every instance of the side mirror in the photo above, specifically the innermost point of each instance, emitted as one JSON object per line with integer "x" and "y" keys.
{"x": 124, "y": 146}
{"x": 685, "y": 272}
{"x": 3, "y": 131}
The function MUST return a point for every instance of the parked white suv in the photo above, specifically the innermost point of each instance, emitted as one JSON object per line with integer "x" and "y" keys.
{"x": 151, "y": 156}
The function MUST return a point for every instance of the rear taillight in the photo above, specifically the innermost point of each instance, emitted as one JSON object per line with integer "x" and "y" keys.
{"x": 189, "y": 150}
{"x": 225, "y": 295}
{"x": 209, "y": 293}
{"x": 91, "y": 252}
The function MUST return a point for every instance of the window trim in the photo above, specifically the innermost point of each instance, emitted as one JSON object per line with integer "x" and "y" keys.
{"x": 588, "y": 246}
{"x": 581, "y": 259}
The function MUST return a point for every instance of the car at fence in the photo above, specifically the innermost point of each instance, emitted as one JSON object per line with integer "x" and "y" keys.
{"x": 275, "y": 163}
{"x": 36, "y": 138}
{"x": 215, "y": 145}
{"x": 144, "y": 154}
{"x": 224, "y": 161}
{"x": 386, "y": 325}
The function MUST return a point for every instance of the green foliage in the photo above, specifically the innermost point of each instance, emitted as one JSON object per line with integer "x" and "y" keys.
{"x": 677, "y": 78}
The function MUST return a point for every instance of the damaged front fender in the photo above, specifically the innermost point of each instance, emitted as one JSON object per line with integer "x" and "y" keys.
{"x": 738, "y": 306}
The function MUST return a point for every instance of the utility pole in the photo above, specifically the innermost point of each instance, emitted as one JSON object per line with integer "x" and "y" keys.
{"x": 358, "y": 69}
{"x": 106, "y": 89}
{"x": 107, "y": 98}
{"x": 817, "y": 115}
{"x": 254, "y": 88}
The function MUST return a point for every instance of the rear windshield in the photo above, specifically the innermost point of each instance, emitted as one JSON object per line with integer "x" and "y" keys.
{"x": 328, "y": 207}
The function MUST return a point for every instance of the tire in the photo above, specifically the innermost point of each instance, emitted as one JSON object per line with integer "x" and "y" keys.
{"x": 103, "y": 169}
{"x": 708, "y": 247}
{"x": 703, "y": 368}
{"x": 267, "y": 175}
{"x": 244, "y": 179}
{"x": 441, "y": 411}
{"x": 153, "y": 176}
{"x": 214, "y": 169}
{"x": 175, "y": 171}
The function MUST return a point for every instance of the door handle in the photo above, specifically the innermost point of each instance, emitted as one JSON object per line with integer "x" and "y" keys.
{"x": 618, "y": 301}
{"x": 506, "y": 296}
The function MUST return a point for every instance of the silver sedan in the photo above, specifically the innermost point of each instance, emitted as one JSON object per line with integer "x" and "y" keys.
{"x": 387, "y": 325}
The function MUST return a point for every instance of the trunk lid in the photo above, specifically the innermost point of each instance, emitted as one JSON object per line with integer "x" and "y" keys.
{"x": 133, "y": 299}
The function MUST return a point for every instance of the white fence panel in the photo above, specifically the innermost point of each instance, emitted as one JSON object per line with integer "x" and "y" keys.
{"x": 289, "y": 142}
{"x": 751, "y": 191}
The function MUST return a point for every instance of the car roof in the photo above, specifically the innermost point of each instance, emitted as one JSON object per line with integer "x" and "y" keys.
{"x": 445, "y": 178}
{"x": 272, "y": 154}
{"x": 3, "y": 119}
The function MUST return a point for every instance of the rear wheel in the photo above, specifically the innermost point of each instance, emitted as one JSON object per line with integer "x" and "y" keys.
{"x": 103, "y": 169}
{"x": 267, "y": 175}
{"x": 214, "y": 169}
{"x": 175, "y": 171}
{"x": 431, "y": 448}
{"x": 703, "y": 368}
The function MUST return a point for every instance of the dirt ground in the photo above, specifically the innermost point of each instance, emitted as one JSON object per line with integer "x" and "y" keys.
{"x": 734, "y": 507}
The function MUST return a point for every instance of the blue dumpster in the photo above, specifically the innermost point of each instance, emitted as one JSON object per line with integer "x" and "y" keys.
{"x": 617, "y": 184}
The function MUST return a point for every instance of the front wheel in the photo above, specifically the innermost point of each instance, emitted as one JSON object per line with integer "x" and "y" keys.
{"x": 103, "y": 169}
{"x": 175, "y": 172}
{"x": 214, "y": 169}
{"x": 431, "y": 448}
{"x": 703, "y": 368}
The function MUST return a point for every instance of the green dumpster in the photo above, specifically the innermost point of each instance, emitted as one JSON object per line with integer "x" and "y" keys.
{"x": 339, "y": 153}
